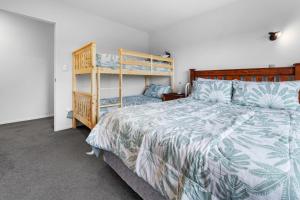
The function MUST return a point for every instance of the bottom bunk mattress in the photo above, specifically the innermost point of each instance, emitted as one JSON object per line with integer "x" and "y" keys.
{"x": 188, "y": 149}
{"x": 127, "y": 101}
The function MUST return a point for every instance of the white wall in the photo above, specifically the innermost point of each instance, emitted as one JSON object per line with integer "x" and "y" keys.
{"x": 26, "y": 68}
{"x": 233, "y": 36}
{"x": 74, "y": 28}
{"x": 133, "y": 85}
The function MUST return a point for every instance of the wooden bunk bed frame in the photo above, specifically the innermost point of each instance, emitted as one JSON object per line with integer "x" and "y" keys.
{"x": 86, "y": 105}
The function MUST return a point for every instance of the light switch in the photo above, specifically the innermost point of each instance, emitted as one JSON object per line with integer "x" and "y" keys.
{"x": 65, "y": 68}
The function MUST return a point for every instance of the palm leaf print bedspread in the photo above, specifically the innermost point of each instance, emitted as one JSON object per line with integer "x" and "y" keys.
{"x": 187, "y": 149}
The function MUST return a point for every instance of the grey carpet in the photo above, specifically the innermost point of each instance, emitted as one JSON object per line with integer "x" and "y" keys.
{"x": 38, "y": 164}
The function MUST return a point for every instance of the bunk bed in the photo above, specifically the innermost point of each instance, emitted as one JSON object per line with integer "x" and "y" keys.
{"x": 87, "y": 106}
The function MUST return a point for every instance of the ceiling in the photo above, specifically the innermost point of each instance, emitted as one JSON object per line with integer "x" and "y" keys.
{"x": 147, "y": 15}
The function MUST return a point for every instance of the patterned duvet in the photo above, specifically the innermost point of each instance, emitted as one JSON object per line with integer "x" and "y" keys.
{"x": 187, "y": 149}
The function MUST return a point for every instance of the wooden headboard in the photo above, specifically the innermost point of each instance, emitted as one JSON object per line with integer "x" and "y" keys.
{"x": 253, "y": 74}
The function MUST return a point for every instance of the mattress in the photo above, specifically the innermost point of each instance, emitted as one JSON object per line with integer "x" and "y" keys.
{"x": 127, "y": 101}
{"x": 112, "y": 61}
{"x": 188, "y": 149}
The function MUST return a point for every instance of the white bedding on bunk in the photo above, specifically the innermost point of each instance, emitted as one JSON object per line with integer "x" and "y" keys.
{"x": 112, "y": 61}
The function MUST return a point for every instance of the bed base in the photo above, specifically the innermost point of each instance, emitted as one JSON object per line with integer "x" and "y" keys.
{"x": 142, "y": 188}
{"x": 86, "y": 105}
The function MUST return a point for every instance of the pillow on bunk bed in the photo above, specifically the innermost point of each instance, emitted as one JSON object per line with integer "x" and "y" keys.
{"x": 275, "y": 95}
{"x": 157, "y": 91}
{"x": 210, "y": 90}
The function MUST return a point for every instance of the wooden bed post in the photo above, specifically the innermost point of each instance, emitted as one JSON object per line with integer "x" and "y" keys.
{"x": 297, "y": 75}
{"x": 98, "y": 95}
{"x": 94, "y": 110}
{"x": 74, "y": 89}
{"x": 192, "y": 75}
{"x": 297, "y": 71}
{"x": 121, "y": 77}
{"x": 172, "y": 77}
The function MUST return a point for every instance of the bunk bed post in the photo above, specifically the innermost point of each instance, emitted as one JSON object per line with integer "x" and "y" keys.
{"x": 172, "y": 76}
{"x": 74, "y": 89}
{"x": 151, "y": 68}
{"x": 121, "y": 77}
{"x": 151, "y": 64}
{"x": 94, "y": 93}
{"x": 192, "y": 75}
{"x": 98, "y": 95}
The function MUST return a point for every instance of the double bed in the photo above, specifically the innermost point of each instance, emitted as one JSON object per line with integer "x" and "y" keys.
{"x": 191, "y": 149}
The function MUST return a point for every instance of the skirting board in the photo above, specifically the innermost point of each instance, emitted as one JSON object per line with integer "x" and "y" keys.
{"x": 26, "y": 119}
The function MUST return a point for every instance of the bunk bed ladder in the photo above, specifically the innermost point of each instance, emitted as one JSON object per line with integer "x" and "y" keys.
{"x": 85, "y": 103}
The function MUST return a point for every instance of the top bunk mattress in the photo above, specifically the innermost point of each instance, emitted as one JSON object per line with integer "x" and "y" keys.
{"x": 112, "y": 61}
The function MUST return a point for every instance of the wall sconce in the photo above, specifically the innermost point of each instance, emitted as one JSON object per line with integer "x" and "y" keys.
{"x": 274, "y": 35}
